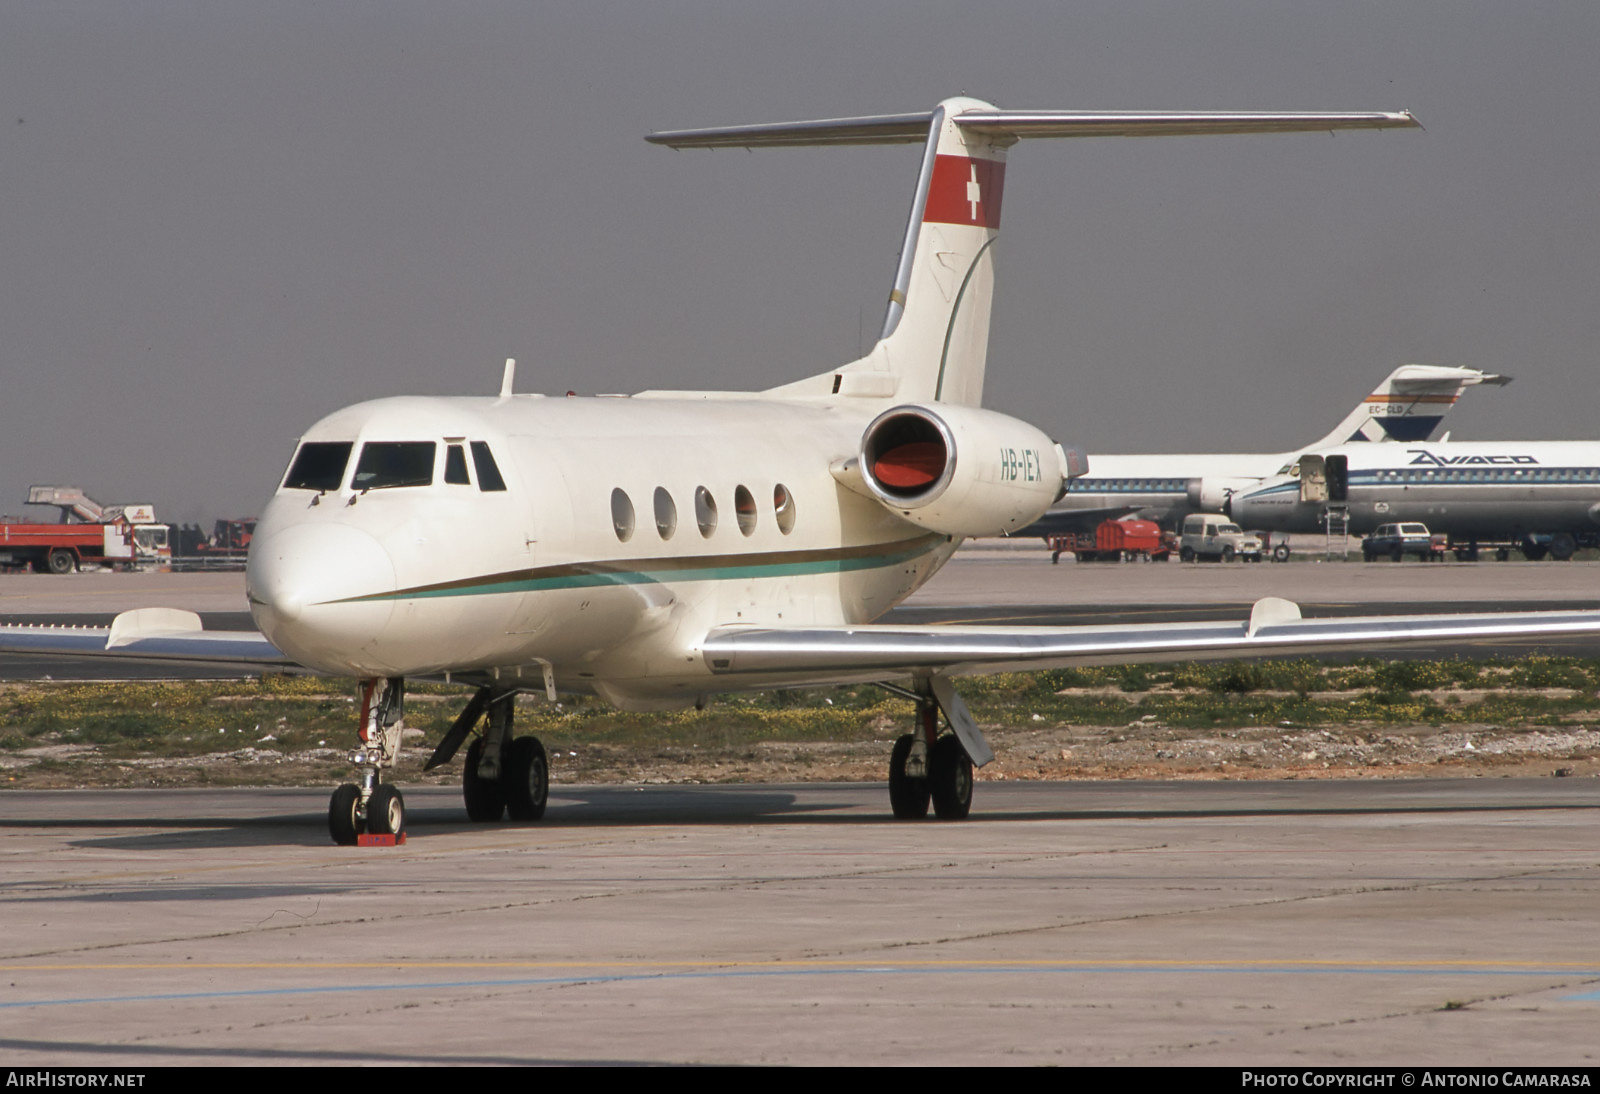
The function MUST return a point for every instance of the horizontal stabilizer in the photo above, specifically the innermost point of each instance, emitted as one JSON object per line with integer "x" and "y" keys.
{"x": 1011, "y": 125}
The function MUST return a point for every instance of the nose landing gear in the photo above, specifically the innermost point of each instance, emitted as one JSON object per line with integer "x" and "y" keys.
{"x": 372, "y": 805}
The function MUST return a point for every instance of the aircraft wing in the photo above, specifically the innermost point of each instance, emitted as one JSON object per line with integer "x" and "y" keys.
{"x": 1275, "y": 628}
{"x": 165, "y": 634}
{"x": 1062, "y": 522}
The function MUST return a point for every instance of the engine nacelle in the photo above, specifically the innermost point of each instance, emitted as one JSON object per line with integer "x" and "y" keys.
{"x": 1214, "y": 495}
{"x": 961, "y": 470}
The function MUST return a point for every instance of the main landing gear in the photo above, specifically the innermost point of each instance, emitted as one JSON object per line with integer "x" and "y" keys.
{"x": 929, "y": 768}
{"x": 501, "y": 775}
{"x": 372, "y": 805}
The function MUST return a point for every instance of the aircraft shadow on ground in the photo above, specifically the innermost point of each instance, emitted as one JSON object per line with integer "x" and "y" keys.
{"x": 854, "y": 805}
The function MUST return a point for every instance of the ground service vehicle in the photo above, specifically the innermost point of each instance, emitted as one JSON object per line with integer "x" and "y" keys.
{"x": 226, "y": 549}
{"x": 120, "y": 536}
{"x": 1396, "y": 541}
{"x": 1116, "y": 541}
{"x": 1213, "y": 536}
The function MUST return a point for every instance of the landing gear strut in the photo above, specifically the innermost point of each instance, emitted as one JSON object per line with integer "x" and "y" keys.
{"x": 926, "y": 767}
{"x": 500, "y": 775}
{"x": 372, "y": 805}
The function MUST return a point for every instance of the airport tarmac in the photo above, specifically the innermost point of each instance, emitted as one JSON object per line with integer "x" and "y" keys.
{"x": 1296, "y": 924}
{"x": 1291, "y": 923}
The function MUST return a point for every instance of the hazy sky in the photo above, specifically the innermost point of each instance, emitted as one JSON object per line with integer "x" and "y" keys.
{"x": 220, "y": 221}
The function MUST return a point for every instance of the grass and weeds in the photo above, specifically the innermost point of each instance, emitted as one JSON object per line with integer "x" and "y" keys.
{"x": 294, "y": 728}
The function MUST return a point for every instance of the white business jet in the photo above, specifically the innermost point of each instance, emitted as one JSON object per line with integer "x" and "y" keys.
{"x": 658, "y": 549}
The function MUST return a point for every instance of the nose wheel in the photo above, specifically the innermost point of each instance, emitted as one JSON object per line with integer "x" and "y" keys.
{"x": 372, "y": 806}
{"x": 345, "y": 821}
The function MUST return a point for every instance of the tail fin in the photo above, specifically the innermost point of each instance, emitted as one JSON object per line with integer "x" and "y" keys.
{"x": 935, "y": 339}
{"x": 936, "y": 335}
{"x": 1409, "y": 405}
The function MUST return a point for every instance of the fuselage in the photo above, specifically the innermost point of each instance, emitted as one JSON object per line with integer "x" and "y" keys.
{"x": 1484, "y": 491}
{"x": 626, "y": 528}
{"x": 1160, "y": 487}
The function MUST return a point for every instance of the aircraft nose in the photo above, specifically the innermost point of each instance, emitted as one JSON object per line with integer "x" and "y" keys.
{"x": 306, "y": 585}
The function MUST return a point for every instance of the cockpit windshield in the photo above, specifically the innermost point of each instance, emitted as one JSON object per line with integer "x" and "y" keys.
{"x": 319, "y": 465}
{"x": 386, "y": 464}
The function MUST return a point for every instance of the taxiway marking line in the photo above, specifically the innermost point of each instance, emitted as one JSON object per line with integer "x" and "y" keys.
{"x": 775, "y": 970}
{"x": 1092, "y": 965}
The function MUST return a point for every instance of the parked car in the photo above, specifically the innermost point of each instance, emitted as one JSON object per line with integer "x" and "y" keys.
{"x": 1213, "y": 536}
{"x": 1396, "y": 541}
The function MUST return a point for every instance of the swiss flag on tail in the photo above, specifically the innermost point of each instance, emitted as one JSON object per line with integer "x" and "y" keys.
{"x": 965, "y": 191}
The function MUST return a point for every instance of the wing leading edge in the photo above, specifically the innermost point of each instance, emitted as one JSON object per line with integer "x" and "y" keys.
{"x": 165, "y": 634}
{"x": 1275, "y": 628}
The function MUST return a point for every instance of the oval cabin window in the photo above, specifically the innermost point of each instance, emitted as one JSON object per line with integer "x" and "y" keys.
{"x": 622, "y": 514}
{"x": 783, "y": 508}
{"x": 666, "y": 513}
{"x": 705, "y": 511}
{"x": 744, "y": 508}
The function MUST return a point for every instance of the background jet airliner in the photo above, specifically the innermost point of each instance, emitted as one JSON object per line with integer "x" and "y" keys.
{"x": 1541, "y": 495}
{"x": 1409, "y": 405}
{"x": 656, "y": 549}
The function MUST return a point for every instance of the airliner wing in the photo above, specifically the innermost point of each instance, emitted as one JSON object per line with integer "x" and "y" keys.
{"x": 1275, "y": 628}
{"x": 1062, "y": 522}
{"x": 164, "y": 634}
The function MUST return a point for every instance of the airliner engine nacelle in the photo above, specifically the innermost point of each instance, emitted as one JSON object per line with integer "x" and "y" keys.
{"x": 962, "y": 470}
{"x": 1215, "y": 495}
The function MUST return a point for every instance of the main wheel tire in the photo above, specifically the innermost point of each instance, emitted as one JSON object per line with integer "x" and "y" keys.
{"x": 386, "y": 811}
{"x": 343, "y": 824}
{"x": 950, "y": 778}
{"x": 526, "y": 779}
{"x": 61, "y": 561}
{"x": 1562, "y": 547}
{"x": 1186, "y": 554}
{"x": 908, "y": 797}
{"x": 486, "y": 801}
{"x": 1396, "y": 554}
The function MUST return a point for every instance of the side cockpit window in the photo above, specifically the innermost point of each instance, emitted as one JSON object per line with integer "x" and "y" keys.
{"x": 319, "y": 465}
{"x": 488, "y": 474}
{"x": 386, "y": 464}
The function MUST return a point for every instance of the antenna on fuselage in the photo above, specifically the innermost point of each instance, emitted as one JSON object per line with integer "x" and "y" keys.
{"x": 508, "y": 378}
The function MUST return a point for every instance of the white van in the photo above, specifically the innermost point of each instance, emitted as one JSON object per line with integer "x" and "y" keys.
{"x": 1213, "y": 536}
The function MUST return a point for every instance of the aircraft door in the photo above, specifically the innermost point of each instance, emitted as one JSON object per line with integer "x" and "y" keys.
{"x": 1312, "y": 471}
{"x": 1336, "y": 470}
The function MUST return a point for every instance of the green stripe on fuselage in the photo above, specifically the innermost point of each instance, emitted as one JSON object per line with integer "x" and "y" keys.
{"x": 656, "y": 570}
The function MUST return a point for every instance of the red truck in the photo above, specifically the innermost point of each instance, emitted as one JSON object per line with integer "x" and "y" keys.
{"x": 118, "y": 536}
{"x": 1116, "y": 541}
